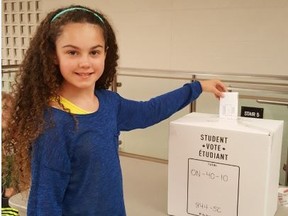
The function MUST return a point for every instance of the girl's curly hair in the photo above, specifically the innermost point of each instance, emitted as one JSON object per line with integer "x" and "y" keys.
{"x": 39, "y": 79}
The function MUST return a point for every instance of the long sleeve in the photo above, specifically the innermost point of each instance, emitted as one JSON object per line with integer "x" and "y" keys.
{"x": 50, "y": 173}
{"x": 47, "y": 197}
{"x": 134, "y": 114}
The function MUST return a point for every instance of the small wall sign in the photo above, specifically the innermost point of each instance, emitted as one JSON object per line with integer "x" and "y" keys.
{"x": 252, "y": 112}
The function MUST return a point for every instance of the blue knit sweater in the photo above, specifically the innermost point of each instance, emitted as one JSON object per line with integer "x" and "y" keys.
{"x": 77, "y": 171}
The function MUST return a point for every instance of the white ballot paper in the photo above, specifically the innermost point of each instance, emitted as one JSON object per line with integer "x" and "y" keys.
{"x": 229, "y": 105}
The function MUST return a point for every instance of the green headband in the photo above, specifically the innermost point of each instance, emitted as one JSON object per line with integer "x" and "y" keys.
{"x": 76, "y": 8}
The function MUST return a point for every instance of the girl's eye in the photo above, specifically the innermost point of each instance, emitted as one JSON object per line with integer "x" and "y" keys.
{"x": 72, "y": 52}
{"x": 95, "y": 52}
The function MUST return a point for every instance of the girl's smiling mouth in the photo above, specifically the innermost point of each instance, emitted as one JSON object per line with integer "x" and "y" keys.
{"x": 84, "y": 74}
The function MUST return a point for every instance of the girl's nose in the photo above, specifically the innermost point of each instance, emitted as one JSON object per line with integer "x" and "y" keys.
{"x": 84, "y": 62}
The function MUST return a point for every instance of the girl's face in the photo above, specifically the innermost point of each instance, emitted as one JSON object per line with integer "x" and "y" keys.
{"x": 80, "y": 54}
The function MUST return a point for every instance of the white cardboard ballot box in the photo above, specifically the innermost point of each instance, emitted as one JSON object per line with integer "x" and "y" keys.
{"x": 221, "y": 167}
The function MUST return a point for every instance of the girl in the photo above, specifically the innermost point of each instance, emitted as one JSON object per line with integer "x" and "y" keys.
{"x": 65, "y": 124}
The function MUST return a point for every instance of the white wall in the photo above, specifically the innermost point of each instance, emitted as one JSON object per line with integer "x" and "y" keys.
{"x": 234, "y": 36}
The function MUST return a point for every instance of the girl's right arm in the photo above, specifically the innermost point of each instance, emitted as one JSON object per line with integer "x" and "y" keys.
{"x": 50, "y": 175}
{"x": 47, "y": 192}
